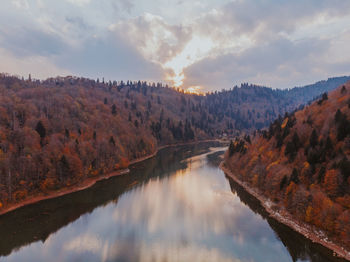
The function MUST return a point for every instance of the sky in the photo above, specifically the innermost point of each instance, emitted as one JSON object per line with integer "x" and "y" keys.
{"x": 196, "y": 45}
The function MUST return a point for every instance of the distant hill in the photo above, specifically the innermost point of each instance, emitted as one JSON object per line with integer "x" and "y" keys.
{"x": 62, "y": 130}
{"x": 308, "y": 93}
{"x": 254, "y": 107}
{"x": 302, "y": 163}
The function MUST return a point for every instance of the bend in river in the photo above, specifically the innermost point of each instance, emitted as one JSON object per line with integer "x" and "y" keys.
{"x": 177, "y": 206}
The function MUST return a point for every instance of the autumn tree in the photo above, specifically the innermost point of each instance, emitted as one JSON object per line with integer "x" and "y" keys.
{"x": 114, "y": 109}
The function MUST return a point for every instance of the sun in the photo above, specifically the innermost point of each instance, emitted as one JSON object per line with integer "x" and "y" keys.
{"x": 194, "y": 90}
{"x": 196, "y": 49}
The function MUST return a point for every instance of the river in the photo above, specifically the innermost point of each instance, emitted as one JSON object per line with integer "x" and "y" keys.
{"x": 177, "y": 206}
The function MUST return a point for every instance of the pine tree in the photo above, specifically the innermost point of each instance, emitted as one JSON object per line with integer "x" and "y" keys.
{"x": 313, "y": 138}
{"x": 295, "y": 176}
{"x": 40, "y": 129}
{"x": 111, "y": 141}
{"x": 114, "y": 109}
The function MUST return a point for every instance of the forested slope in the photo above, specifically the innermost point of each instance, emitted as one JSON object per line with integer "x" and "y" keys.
{"x": 60, "y": 131}
{"x": 302, "y": 164}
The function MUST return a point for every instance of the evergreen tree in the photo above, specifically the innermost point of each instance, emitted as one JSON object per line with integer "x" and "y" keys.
{"x": 231, "y": 148}
{"x": 283, "y": 182}
{"x": 40, "y": 129}
{"x": 114, "y": 109}
{"x": 111, "y": 141}
{"x": 313, "y": 138}
{"x": 295, "y": 176}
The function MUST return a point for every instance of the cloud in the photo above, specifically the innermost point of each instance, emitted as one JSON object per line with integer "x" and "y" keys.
{"x": 127, "y": 5}
{"x": 20, "y": 4}
{"x": 38, "y": 66}
{"x": 213, "y": 44}
{"x": 156, "y": 39}
{"x": 279, "y": 62}
{"x": 111, "y": 57}
{"x": 79, "y": 2}
{"x": 256, "y": 17}
{"x": 28, "y": 42}
{"x": 278, "y": 44}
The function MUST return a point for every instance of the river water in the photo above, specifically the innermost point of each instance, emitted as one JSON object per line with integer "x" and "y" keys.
{"x": 177, "y": 206}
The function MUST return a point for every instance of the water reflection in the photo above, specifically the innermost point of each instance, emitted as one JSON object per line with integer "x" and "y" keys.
{"x": 300, "y": 248}
{"x": 176, "y": 207}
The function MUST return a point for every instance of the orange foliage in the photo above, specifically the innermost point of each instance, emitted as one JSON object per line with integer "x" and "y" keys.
{"x": 48, "y": 184}
{"x": 317, "y": 190}
{"x": 19, "y": 195}
{"x": 123, "y": 163}
{"x": 255, "y": 180}
{"x": 308, "y": 214}
{"x": 331, "y": 183}
{"x": 285, "y": 122}
{"x": 344, "y": 201}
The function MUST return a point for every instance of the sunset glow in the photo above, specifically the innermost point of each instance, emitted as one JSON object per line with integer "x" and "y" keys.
{"x": 195, "y": 50}
{"x": 194, "y": 90}
{"x": 214, "y": 44}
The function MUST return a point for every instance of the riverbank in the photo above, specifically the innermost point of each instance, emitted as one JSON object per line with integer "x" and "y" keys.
{"x": 89, "y": 182}
{"x": 285, "y": 218}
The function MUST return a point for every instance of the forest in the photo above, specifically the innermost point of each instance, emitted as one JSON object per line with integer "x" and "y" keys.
{"x": 55, "y": 133}
{"x": 302, "y": 163}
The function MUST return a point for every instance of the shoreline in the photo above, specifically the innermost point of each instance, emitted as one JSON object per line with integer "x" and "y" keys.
{"x": 287, "y": 219}
{"x": 89, "y": 182}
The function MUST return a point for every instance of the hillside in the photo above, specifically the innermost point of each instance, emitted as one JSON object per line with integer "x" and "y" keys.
{"x": 254, "y": 107}
{"x": 58, "y": 132}
{"x": 308, "y": 93}
{"x": 302, "y": 164}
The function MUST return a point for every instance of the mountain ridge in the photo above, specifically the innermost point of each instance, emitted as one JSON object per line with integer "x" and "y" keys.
{"x": 57, "y": 132}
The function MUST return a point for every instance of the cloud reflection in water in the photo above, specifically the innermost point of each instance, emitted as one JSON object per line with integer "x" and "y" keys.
{"x": 189, "y": 216}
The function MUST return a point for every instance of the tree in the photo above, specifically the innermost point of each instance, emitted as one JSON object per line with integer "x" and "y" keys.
{"x": 114, "y": 109}
{"x": 331, "y": 183}
{"x": 188, "y": 134}
{"x": 343, "y": 89}
{"x": 313, "y": 138}
{"x": 321, "y": 174}
{"x": 344, "y": 167}
{"x": 295, "y": 176}
{"x": 292, "y": 147}
{"x": 338, "y": 116}
{"x": 40, "y": 129}
{"x": 283, "y": 182}
{"x": 231, "y": 148}
{"x": 343, "y": 125}
{"x": 63, "y": 168}
{"x": 324, "y": 96}
{"x": 329, "y": 144}
{"x": 111, "y": 141}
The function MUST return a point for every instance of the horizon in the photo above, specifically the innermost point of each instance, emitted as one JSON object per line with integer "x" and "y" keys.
{"x": 166, "y": 85}
{"x": 206, "y": 47}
